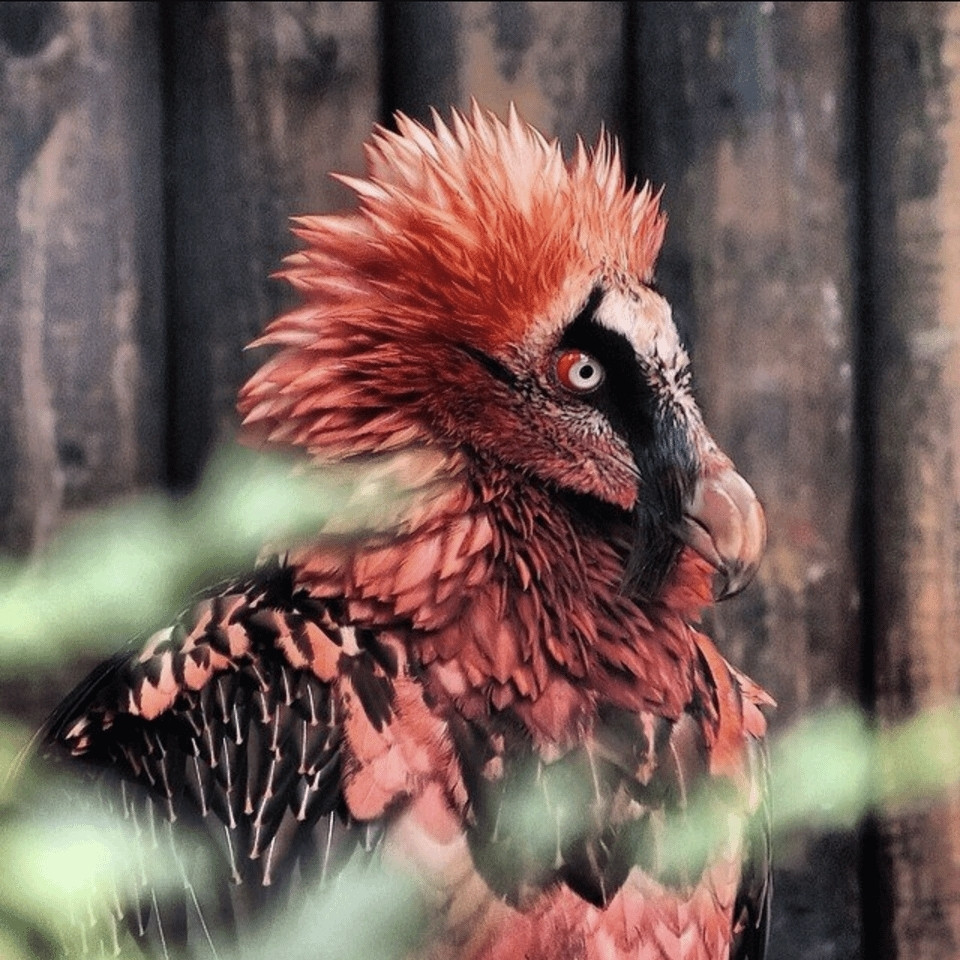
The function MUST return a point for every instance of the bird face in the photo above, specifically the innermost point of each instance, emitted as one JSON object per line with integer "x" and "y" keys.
{"x": 603, "y": 408}
{"x": 599, "y": 407}
{"x": 493, "y": 299}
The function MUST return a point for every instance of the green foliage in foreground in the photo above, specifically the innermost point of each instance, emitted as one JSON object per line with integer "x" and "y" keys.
{"x": 64, "y": 857}
{"x": 131, "y": 568}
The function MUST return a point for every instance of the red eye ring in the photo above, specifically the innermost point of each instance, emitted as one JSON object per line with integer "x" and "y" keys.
{"x": 578, "y": 372}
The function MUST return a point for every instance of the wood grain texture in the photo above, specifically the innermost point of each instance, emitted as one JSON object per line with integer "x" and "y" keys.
{"x": 913, "y": 354}
{"x": 561, "y": 64}
{"x": 264, "y": 101}
{"x": 740, "y": 110}
{"x": 81, "y": 373}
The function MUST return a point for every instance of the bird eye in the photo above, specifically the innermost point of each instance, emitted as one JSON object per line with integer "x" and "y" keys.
{"x": 578, "y": 371}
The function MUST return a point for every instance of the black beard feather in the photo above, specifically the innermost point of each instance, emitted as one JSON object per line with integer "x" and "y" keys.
{"x": 656, "y": 517}
{"x": 653, "y": 554}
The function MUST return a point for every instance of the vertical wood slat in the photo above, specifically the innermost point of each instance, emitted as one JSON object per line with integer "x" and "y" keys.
{"x": 913, "y": 354}
{"x": 266, "y": 99}
{"x": 741, "y": 112}
{"x": 81, "y": 370}
{"x": 561, "y": 64}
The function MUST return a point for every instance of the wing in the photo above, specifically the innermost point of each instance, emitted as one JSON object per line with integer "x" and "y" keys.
{"x": 227, "y": 726}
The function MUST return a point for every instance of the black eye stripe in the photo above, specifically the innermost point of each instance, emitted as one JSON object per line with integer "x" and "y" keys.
{"x": 625, "y": 397}
{"x": 493, "y": 367}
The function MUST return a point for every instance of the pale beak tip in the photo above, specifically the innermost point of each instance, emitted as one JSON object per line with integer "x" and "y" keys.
{"x": 730, "y": 579}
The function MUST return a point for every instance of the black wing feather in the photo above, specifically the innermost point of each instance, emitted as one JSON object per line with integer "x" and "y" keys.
{"x": 247, "y": 767}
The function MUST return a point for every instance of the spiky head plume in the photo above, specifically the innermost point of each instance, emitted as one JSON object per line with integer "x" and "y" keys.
{"x": 474, "y": 230}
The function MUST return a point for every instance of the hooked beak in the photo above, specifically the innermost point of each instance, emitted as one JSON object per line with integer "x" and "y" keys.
{"x": 724, "y": 523}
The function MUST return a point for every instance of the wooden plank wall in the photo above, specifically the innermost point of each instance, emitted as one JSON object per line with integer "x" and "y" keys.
{"x": 81, "y": 282}
{"x": 150, "y": 154}
{"x": 911, "y": 335}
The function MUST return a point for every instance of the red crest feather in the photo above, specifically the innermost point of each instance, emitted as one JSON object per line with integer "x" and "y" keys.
{"x": 471, "y": 231}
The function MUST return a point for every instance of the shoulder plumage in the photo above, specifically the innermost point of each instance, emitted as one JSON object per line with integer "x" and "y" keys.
{"x": 257, "y": 727}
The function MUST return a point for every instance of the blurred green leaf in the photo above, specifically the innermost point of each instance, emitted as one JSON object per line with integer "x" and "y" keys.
{"x": 22, "y": 939}
{"x": 371, "y": 912}
{"x": 129, "y": 569}
{"x": 919, "y": 758}
{"x": 63, "y": 852}
{"x": 821, "y": 771}
{"x": 14, "y": 737}
{"x": 834, "y": 768}
{"x": 61, "y": 862}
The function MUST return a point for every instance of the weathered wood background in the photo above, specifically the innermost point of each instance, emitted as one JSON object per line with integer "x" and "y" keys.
{"x": 150, "y": 154}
